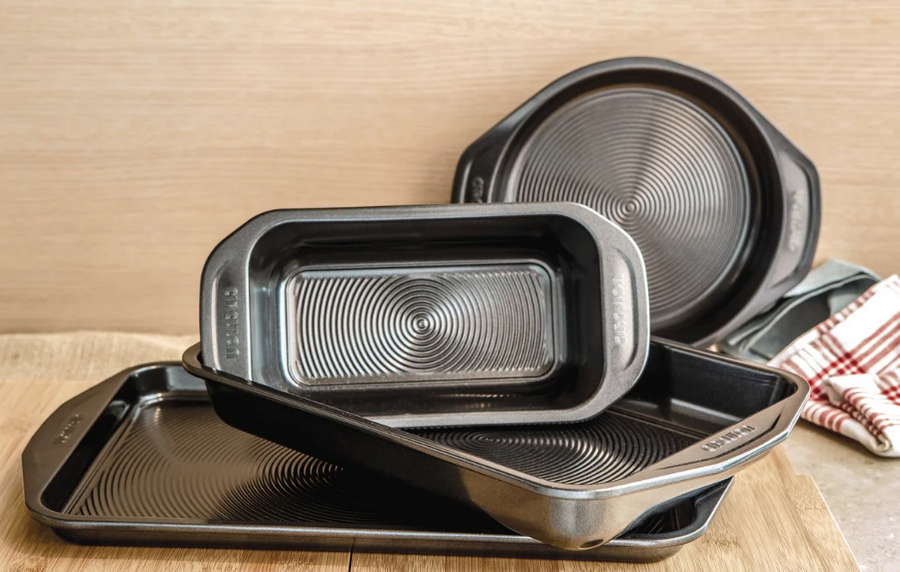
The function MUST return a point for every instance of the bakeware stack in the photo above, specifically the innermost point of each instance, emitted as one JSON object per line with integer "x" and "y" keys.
{"x": 473, "y": 378}
{"x": 146, "y": 461}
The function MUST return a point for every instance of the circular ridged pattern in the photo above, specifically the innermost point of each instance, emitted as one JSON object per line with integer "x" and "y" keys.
{"x": 604, "y": 449}
{"x": 179, "y": 461}
{"x": 176, "y": 460}
{"x": 356, "y": 326}
{"x": 660, "y": 167}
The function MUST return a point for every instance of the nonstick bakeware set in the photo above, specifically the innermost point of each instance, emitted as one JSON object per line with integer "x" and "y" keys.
{"x": 146, "y": 461}
{"x": 692, "y": 420}
{"x": 473, "y": 378}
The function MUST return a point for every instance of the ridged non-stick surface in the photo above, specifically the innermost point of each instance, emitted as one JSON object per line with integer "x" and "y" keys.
{"x": 175, "y": 460}
{"x": 178, "y": 460}
{"x": 420, "y": 324}
{"x": 604, "y": 449}
{"x": 660, "y": 167}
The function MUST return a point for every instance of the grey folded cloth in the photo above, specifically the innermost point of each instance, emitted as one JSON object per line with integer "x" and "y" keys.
{"x": 825, "y": 291}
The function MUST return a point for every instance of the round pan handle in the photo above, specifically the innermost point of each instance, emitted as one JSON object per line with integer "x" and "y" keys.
{"x": 802, "y": 215}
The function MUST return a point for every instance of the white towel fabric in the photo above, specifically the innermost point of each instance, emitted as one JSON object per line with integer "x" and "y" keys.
{"x": 852, "y": 364}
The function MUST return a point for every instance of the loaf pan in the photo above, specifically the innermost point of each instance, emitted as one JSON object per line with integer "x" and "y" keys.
{"x": 443, "y": 315}
{"x": 724, "y": 208}
{"x": 693, "y": 419}
{"x": 143, "y": 459}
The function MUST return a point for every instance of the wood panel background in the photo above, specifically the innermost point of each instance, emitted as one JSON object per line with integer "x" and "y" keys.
{"x": 134, "y": 135}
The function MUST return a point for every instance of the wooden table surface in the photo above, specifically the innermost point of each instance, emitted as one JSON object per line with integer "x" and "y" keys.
{"x": 135, "y": 135}
{"x": 773, "y": 519}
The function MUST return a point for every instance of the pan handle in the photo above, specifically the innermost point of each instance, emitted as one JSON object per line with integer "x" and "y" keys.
{"x": 624, "y": 308}
{"x": 626, "y": 315}
{"x": 802, "y": 215}
{"x": 722, "y": 454}
{"x": 53, "y": 444}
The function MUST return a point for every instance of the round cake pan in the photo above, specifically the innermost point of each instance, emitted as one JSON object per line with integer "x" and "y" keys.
{"x": 723, "y": 207}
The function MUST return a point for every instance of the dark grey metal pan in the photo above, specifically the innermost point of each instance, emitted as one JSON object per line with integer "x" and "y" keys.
{"x": 693, "y": 419}
{"x": 142, "y": 459}
{"x": 443, "y": 315}
{"x": 724, "y": 208}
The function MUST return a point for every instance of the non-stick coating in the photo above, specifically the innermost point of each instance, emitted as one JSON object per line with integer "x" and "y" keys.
{"x": 725, "y": 209}
{"x": 174, "y": 459}
{"x": 604, "y": 449}
{"x": 172, "y": 462}
{"x": 662, "y": 168}
{"x": 419, "y": 324}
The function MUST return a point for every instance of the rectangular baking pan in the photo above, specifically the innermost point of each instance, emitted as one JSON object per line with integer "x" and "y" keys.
{"x": 143, "y": 459}
{"x": 693, "y": 419}
{"x": 442, "y": 315}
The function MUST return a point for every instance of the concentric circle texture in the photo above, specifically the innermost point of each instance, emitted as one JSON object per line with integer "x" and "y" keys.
{"x": 604, "y": 449}
{"x": 180, "y": 461}
{"x": 175, "y": 460}
{"x": 356, "y": 326}
{"x": 664, "y": 170}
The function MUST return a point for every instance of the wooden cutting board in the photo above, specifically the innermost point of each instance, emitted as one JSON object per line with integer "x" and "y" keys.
{"x": 773, "y": 519}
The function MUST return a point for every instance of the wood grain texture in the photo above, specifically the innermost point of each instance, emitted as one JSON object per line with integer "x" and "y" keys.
{"x": 773, "y": 519}
{"x": 26, "y": 546}
{"x": 135, "y": 135}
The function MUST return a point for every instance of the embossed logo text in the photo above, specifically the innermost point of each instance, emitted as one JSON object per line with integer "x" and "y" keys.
{"x": 477, "y": 193}
{"x": 619, "y": 316}
{"x": 729, "y": 437}
{"x": 232, "y": 322}
{"x": 68, "y": 429}
{"x": 797, "y": 220}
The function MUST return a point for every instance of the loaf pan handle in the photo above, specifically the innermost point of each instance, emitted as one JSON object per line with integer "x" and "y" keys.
{"x": 624, "y": 307}
{"x": 626, "y": 315}
{"x": 226, "y": 305}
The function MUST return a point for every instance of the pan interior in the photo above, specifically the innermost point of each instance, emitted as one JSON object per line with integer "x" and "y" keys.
{"x": 661, "y": 167}
{"x": 679, "y": 400}
{"x": 172, "y": 460}
{"x": 418, "y": 316}
{"x": 604, "y": 449}
{"x": 420, "y": 323}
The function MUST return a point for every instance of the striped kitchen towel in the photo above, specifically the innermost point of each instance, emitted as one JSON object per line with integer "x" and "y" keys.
{"x": 852, "y": 364}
